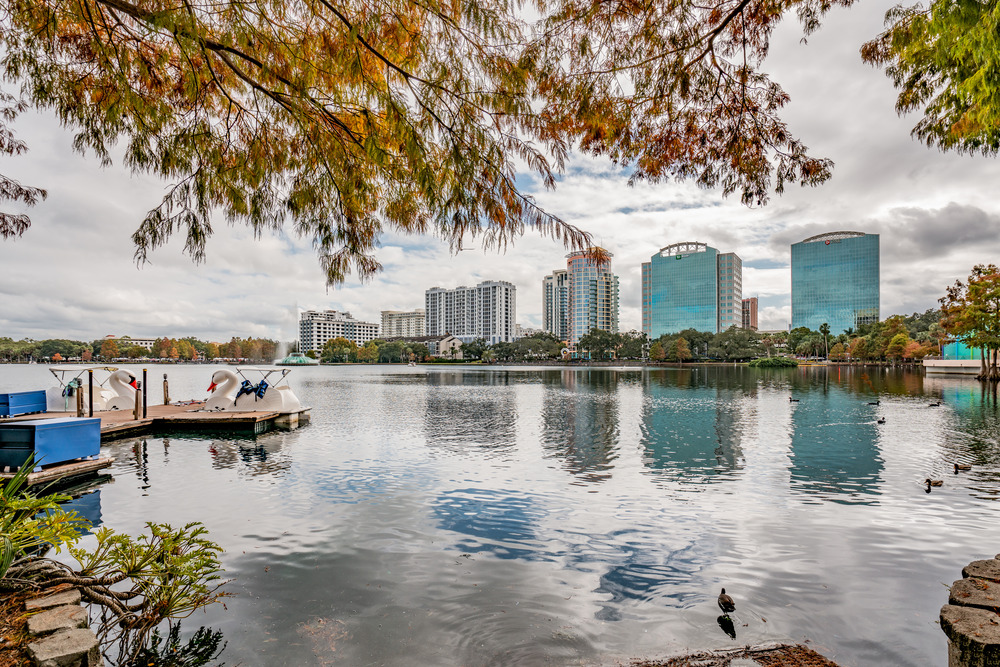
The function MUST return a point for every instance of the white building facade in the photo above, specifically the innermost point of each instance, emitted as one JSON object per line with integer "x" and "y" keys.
{"x": 487, "y": 311}
{"x": 555, "y": 304}
{"x": 403, "y": 323}
{"x": 318, "y": 326}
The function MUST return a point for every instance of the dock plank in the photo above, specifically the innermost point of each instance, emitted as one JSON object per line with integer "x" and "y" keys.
{"x": 117, "y": 424}
{"x": 63, "y": 471}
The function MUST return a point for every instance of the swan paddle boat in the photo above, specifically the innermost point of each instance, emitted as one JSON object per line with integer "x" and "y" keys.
{"x": 236, "y": 391}
{"x": 71, "y": 379}
{"x": 123, "y": 383}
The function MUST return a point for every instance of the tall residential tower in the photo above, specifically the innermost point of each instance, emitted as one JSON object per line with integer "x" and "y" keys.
{"x": 592, "y": 296}
{"x": 835, "y": 280}
{"x": 691, "y": 285}
{"x": 487, "y": 311}
{"x": 403, "y": 323}
{"x": 555, "y": 304}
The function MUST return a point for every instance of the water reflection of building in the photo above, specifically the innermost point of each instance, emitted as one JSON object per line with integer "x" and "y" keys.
{"x": 834, "y": 448}
{"x": 470, "y": 409}
{"x": 692, "y": 432}
{"x": 580, "y": 422}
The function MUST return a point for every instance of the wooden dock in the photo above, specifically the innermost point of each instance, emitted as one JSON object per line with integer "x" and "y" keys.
{"x": 63, "y": 472}
{"x": 116, "y": 424}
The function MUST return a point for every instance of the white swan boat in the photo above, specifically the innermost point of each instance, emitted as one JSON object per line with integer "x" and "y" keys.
{"x": 125, "y": 386}
{"x": 236, "y": 391}
{"x": 73, "y": 379}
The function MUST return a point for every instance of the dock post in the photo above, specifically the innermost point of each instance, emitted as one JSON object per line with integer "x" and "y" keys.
{"x": 90, "y": 392}
{"x": 143, "y": 393}
{"x": 166, "y": 391}
{"x": 79, "y": 400}
{"x": 137, "y": 409}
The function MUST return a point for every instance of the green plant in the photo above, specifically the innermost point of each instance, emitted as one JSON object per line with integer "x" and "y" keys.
{"x": 171, "y": 574}
{"x": 774, "y": 362}
{"x": 30, "y": 523}
{"x": 163, "y": 575}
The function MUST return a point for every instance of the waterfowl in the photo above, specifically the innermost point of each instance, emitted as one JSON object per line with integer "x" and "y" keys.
{"x": 792, "y": 400}
{"x": 934, "y": 405}
{"x": 880, "y": 420}
{"x": 961, "y": 466}
{"x": 726, "y": 603}
{"x": 875, "y": 403}
{"x": 933, "y": 482}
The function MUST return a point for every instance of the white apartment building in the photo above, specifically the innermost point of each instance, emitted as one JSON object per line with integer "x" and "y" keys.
{"x": 487, "y": 311}
{"x": 318, "y": 326}
{"x": 403, "y": 323}
{"x": 555, "y": 304}
{"x": 127, "y": 341}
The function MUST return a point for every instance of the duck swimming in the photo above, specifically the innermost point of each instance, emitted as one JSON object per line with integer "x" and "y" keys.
{"x": 961, "y": 466}
{"x": 880, "y": 420}
{"x": 933, "y": 482}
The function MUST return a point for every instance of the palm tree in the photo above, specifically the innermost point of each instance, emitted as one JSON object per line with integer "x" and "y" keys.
{"x": 825, "y": 330}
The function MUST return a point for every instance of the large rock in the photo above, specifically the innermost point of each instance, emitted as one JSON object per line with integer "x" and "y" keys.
{"x": 974, "y": 636}
{"x": 984, "y": 569}
{"x": 71, "y": 596}
{"x": 67, "y": 648}
{"x": 66, "y": 617}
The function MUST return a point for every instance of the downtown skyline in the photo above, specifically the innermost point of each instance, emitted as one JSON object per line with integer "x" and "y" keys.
{"x": 72, "y": 273}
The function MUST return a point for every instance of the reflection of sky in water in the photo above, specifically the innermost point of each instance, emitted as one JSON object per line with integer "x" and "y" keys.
{"x": 503, "y": 523}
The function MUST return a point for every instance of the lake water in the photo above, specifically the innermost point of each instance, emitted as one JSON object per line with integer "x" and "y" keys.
{"x": 528, "y": 516}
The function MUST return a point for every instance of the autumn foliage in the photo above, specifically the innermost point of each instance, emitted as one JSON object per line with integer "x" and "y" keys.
{"x": 347, "y": 120}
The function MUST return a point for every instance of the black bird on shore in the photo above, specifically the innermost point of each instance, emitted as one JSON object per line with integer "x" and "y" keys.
{"x": 880, "y": 420}
{"x": 961, "y": 466}
{"x": 726, "y": 603}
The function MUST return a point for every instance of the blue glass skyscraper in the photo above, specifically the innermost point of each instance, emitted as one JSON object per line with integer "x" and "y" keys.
{"x": 835, "y": 280}
{"x": 691, "y": 286}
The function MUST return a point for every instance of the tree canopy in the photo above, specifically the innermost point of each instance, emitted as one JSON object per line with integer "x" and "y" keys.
{"x": 944, "y": 58}
{"x": 972, "y": 314}
{"x": 346, "y": 120}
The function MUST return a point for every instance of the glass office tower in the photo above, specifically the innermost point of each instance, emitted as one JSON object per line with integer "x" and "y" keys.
{"x": 835, "y": 279}
{"x": 691, "y": 286}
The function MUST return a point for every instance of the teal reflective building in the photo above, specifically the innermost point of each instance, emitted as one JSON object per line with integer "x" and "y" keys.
{"x": 691, "y": 285}
{"x": 835, "y": 280}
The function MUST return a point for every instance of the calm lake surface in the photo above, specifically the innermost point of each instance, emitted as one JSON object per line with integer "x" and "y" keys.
{"x": 529, "y": 516}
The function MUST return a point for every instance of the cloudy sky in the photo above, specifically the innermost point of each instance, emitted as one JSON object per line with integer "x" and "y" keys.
{"x": 72, "y": 275}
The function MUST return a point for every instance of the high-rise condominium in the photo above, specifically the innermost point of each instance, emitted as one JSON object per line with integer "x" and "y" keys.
{"x": 750, "y": 313}
{"x": 835, "y": 280}
{"x": 403, "y": 323}
{"x": 555, "y": 304}
{"x": 318, "y": 326}
{"x": 488, "y": 310}
{"x": 592, "y": 296}
{"x": 691, "y": 286}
